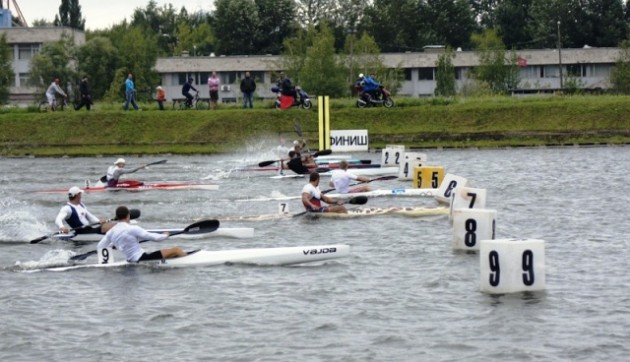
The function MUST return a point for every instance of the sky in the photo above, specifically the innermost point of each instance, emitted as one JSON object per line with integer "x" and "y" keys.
{"x": 99, "y": 14}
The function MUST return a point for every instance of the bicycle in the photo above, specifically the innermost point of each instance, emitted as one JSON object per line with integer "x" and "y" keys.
{"x": 56, "y": 106}
{"x": 196, "y": 103}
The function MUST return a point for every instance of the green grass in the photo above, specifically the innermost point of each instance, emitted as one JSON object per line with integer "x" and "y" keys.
{"x": 415, "y": 122}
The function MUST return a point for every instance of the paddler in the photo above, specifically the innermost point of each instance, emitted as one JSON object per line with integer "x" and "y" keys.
{"x": 126, "y": 238}
{"x": 298, "y": 164}
{"x": 77, "y": 216}
{"x": 340, "y": 179}
{"x": 312, "y": 198}
{"x": 114, "y": 172}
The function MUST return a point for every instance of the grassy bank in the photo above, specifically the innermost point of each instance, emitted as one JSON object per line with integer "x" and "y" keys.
{"x": 428, "y": 123}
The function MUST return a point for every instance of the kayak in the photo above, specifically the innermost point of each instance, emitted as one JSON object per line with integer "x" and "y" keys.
{"x": 323, "y": 166}
{"x": 373, "y": 193}
{"x": 376, "y": 211}
{"x": 140, "y": 186}
{"x": 352, "y": 213}
{"x": 378, "y": 171}
{"x": 259, "y": 256}
{"x": 237, "y": 233}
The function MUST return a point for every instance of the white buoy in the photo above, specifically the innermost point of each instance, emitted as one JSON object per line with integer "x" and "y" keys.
{"x": 283, "y": 208}
{"x": 467, "y": 198}
{"x": 391, "y": 155}
{"x": 448, "y": 186}
{"x": 512, "y": 265}
{"x": 410, "y": 161}
{"x": 470, "y": 226}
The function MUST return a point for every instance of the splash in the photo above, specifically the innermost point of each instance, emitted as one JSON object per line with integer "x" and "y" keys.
{"x": 18, "y": 222}
{"x": 53, "y": 258}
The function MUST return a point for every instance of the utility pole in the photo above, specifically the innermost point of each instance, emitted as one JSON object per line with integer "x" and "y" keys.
{"x": 560, "y": 55}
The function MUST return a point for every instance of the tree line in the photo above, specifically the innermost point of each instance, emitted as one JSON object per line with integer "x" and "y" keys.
{"x": 312, "y": 34}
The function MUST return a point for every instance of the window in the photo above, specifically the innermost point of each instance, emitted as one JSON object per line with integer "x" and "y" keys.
{"x": 256, "y": 76}
{"x": 26, "y": 51}
{"x": 425, "y": 74}
{"x": 227, "y": 77}
{"x": 407, "y": 74}
{"x": 23, "y": 80}
{"x": 574, "y": 70}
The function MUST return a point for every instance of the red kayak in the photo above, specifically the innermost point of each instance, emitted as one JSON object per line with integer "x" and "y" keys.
{"x": 134, "y": 185}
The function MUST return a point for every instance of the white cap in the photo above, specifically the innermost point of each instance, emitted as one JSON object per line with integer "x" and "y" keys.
{"x": 296, "y": 143}
{"x": 158, "y": 87}
{"x": 361, "y": 75}
{"x": 74, "y": 191}
{"x": 120, "y": 160}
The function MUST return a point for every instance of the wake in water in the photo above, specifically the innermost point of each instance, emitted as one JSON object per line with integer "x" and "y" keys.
{"x": 18, "y": 222}
{"x": 53, "y": 258}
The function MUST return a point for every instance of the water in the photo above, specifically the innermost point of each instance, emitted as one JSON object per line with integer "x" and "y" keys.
{"x": 402, "y": 295}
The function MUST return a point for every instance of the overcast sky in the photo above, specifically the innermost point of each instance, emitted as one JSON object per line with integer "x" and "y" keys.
{"x": 99, "y": 14}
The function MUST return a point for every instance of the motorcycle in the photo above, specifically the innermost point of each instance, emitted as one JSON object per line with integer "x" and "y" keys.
{"x": 382, "y": 97}
{"x": 302, "y": 99}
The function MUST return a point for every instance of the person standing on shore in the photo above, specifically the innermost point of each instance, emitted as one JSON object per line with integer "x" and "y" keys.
{"x": 160, "y": 96}
{"x": 248, "y": 87}
{"x": 130, "y": 93}
{"x": 86, "y": 99}
{"x": 213, "y": 85}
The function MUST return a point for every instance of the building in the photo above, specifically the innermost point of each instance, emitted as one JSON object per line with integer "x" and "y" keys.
{"x": 539, "y": 71}
{"x": 26, "y": 42}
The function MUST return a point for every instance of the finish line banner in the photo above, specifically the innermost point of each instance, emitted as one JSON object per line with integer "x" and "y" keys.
{"x": 349, "y": 140}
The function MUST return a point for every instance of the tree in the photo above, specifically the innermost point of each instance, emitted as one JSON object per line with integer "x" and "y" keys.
{"x": 70, "y": 15}
{"x": 395, "y": 25}
{"x": 236, "y": 21}
{"x": 452, "y": 22}
{"x": 277, "y": 22}
{"x": 620, "y": 75}
{"x": 609, "y": 26}
{"x": 512, "y": 17}
{"x": 55, "y": 60}
{"x": 96, "y": 59}
{"x": 6, "y": 70}
{"x": 496, "y": 69}
{"x": 323, "y": 72}
{"x": 445, "y": 77}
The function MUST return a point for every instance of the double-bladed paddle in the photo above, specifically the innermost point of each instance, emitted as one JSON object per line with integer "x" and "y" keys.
{"x": 315, "y": 154}
{"x": 104, "y": 178}
{"x": 382, "y": 178}
{"x": 200, "y": 227}
{"x": 133, "y": 214}
{"x": 357, "y": 200}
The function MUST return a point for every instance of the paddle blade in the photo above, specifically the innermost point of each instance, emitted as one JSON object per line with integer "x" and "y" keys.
{"x": 358, "y": 200}
{"x": 322, "y": 153}
{"x": 35, "y": 241}
{"x": 384, "y": 178}
{"x": 266, "y": 163}
{"x": 202, "y": 227}
{"x": 134, "y": 214}
{"x": 83, "y": 256}
{"x": 298, "y": 129}
{"x": 156, "y": 163}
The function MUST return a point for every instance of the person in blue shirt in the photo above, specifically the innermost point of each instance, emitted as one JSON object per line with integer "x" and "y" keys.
{"x": 186, "y": 92}
{"x": 130, "y": 93}
{"x": 371, "y": 88}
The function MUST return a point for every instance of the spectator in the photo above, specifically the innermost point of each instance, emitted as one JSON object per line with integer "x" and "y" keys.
{"x": 86, "y": 99}
{"x": 186, "y": 92}
{"x": 248, "y": 87}
{"x": 52, "y": 92}
{"x": 213, "y": 84}
{"x": 160, "y": 96}
{"x": 130, "y": 93}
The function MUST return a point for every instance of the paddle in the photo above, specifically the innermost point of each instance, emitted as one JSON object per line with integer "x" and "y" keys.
{"x": 357, "y": 200}
{"x": 104, "y": 178}
{"x": 382, "y": 178}
{"x": 133, "y": 214}
{"x": 318, "y": 153}
{"x": 200, "y": 227}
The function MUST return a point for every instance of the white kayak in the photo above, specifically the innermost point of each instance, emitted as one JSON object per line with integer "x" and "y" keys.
{"x": 373, "y": 193}
{"x": 238, "y": 233}
{"x": 377, "y": 171}
{"x": 376, "y": 211}
{"x": 352, "y": 213}
{"x": 260, "y": 256}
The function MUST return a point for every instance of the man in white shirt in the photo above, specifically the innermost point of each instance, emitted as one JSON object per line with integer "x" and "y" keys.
{"x": 340, "y": 179}
{"x": 126, "y": 238}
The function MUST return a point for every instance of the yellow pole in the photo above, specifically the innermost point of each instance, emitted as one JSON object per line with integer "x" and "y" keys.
{"x": 323, "y": 107}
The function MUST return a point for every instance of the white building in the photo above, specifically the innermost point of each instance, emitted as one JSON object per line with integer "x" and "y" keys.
{"x": 26, "y": 42}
